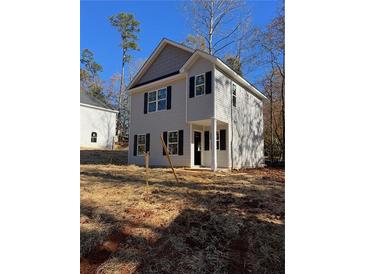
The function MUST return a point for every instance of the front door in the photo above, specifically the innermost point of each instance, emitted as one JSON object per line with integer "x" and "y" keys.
{"x": 197, "y": 148}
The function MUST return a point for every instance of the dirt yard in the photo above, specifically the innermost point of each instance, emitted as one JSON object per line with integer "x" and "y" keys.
{"x": 207, "y": 223}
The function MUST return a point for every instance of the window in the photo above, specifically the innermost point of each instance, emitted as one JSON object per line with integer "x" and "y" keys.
{"x": 172, "y": 142}
{"x": 162, "y": 99}
{"x": 152, "y": 101}
{"x": 141, "y": 144}
{"x": 157, "y": 100}
{"x": 218, "y": 140}
{"x": 199, "y": 84}
{"x": 234, "y": 95}
{"x": 94, "y": 137}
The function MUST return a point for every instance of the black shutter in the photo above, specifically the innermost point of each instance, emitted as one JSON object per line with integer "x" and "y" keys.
{"x": 169, "y": 97}
{"x": 135, "y": 146}
{"x": 165, "y": 140}
{"x": 234, "y": 101}
{"x": 208, "y": 82}
{"x": 206, "y": 140}
{"x": 147, "y": 142}
{"x": 181, "y": 143}
{"x": 145, "y": 102}
{"x": 222, "y": 137}
{"x": 192, "y": 87}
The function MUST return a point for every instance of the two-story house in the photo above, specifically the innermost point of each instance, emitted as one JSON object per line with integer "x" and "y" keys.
{"x": 208, "y": 115}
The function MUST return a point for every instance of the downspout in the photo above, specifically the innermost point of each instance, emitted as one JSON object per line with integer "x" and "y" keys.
{"x": 213, "y": 132}
{"x": 129, "y": 125}
{"x": 186, "y": 119}
{"x": 232, "y": 123}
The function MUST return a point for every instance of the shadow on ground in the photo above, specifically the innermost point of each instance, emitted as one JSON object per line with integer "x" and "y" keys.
{"x": 197, "y": 241}
{"x": 224, "y": 223}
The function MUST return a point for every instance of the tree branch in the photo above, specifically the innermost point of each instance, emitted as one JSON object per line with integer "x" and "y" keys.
{"x": 227, "y": 36}
{"x": 229, "y": 43}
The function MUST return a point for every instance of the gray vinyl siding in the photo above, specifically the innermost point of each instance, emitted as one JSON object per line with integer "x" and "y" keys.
{"x": 223, "y": 96}
{"x": 200, "y": 107}
{"x": 246, "y": 128}
{"x": 171, "y": 59}
{"x": 157, "y": 122}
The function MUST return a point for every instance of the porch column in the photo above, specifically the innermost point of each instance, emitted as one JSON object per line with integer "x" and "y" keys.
{"x": 213, "y": 132}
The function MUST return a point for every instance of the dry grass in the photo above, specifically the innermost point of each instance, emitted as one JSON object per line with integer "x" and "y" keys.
{"x": 208, "y": 223}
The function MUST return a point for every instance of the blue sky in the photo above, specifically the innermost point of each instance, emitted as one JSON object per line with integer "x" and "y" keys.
{"x": 158, "y": 19}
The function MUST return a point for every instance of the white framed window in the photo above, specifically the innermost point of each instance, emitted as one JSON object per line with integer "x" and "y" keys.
{"x": 141, "y": 145}
{"x": 172, "y": 142}
{"x": 157, "y": 100}
{"x": 234, "y": 94}
{"x": 162, "y": 99}
{"x": 94, "y": 137}
{"x": 218, "y": 140}
{"x": 152, "y": 99}
{"x": 200, "y": 84}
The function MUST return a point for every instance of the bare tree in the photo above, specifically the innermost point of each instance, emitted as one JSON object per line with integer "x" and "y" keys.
{"x": 112, "y": 90}
{"x": 122, "y": 100}
{"x": 215, "y": 21}
{"x": 247, "y": 49}
{"x": 273, "y": 43}
{"x": 90, "y": 80}
{"x": 274, "y": 138}
{"x": 195, "y": 42}
{"x": 234, "y": 62}
{"x": 133, "y": 67}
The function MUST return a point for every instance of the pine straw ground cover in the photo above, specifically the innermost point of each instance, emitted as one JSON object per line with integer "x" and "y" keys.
{"x": 208, "y": 223}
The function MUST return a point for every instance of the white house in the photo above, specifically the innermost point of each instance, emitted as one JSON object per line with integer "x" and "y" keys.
{"x": 208, "y": 115}
{"x": 97, "y": 123}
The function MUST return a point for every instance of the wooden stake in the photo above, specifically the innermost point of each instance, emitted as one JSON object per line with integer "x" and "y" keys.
{"x": 168, "y": 157}
{"x": 146, "y": 161}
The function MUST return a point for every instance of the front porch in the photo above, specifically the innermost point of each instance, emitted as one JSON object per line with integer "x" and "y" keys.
{"x": 203, "y": 153}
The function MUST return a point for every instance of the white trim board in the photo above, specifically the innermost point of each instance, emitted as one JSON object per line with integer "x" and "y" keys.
{"x": 100, "y": 108}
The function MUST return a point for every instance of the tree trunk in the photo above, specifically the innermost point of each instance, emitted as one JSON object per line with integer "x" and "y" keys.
{"x": 210, "y": 46}
{"x": 271, "y": 127}
{"x": 120, "y": 122}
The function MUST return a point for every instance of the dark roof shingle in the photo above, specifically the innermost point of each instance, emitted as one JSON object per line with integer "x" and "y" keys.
{"x": 90, "y": 100}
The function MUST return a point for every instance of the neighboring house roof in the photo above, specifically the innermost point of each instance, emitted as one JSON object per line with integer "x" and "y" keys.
{"x": 89, "y": 100}
{"x": 195, "y": 54}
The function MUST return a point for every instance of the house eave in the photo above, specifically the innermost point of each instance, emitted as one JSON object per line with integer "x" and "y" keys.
{"x": 225, "y": 68}
{"x": 240, "y": 80}
{"x": 158, "y": 83}
{"x": 100, "y": 108}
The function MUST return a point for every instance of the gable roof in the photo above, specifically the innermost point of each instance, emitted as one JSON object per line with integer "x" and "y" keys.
{"x": 195, "y": 55}
{"x": 87, "y": 99}
{"x": 163, "y": 43}
{"x": 225, "y": 68}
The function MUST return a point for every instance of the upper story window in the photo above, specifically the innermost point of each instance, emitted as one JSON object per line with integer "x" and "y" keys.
{"x": 157, "y": 100}
{"x": 141, "y": 144}
{"x": 94, "y": 137}
{"x": 200, "y": 84}
{"x": 172, "y": 142}
{"x": 234, "y": 93}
